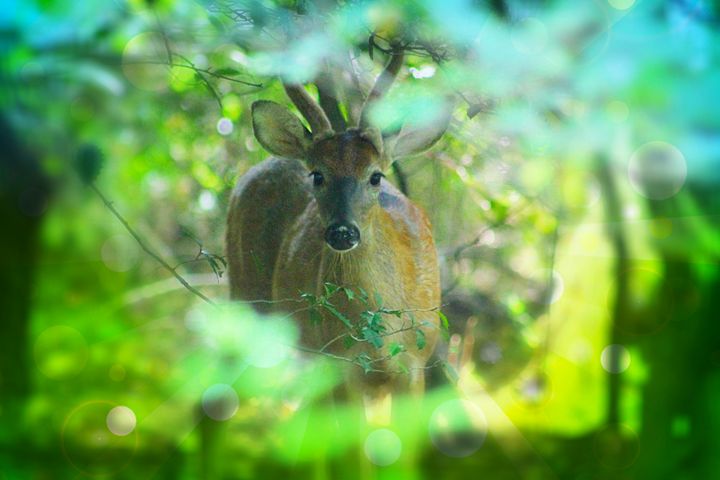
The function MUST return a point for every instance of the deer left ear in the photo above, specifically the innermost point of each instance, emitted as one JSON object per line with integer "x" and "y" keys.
{"x": 279, "y": 131}
{"x": 415, "y": 138}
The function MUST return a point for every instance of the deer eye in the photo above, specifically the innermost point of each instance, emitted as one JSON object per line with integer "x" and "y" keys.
{"x": 318, "y": 178}
{"x": 375, "y": 179}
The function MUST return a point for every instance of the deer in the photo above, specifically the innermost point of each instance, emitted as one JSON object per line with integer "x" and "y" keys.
{"x": 321, "y": 210}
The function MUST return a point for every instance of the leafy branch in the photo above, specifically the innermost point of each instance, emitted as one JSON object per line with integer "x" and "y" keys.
{"x": 370, "y": 326}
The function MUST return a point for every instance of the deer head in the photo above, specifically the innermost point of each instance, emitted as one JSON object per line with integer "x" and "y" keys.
{"x": 346, "y": 167}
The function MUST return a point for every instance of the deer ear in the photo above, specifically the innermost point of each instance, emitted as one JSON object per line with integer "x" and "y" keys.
{"x": 415, "y": 138}
{"x": 279, "y": 131}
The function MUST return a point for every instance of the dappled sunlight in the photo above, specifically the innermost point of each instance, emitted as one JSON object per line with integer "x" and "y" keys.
{"x": 566, "y": 157}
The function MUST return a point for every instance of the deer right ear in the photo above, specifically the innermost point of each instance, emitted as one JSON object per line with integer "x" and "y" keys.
{"x": 279, "y": 131}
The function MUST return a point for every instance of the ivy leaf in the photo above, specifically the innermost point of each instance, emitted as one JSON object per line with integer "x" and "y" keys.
{"x": 378, "y": 300}
{"x": 372, "y": 337}
{"x": 420, "y": 340}
{"x": 330, "y": 289}
{"x": 396, "y": 348}
{"x": 364, "y": 361}
{"x": 309, "y": 297}
{"x": 367, "y": 316}
{"x": 337, "y": 314}
{"x": 374, "y": 320}
{"x": 444, "y": 320}
{"x": 226, "y": 72}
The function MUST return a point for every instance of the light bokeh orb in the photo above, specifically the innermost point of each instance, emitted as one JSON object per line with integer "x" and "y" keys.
{"x": 608, "y": 356}
{"x": 657, "y": 170}
{"x": 121, "y": 421}
{"x": 196, "y": 319}
{"x": 220, "y": 402}
{"x": 145, "y": 62}
{"x": 225, "y": 126}
{"x": 458, "y": 428}
{"x": 90, "y": 445}
{"x": 272, "y": 340}
{"x": 383, "y": 447}
{"x": 617, "y": 111}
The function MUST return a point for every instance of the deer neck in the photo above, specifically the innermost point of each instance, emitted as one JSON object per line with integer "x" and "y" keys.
{"x": 361, "y": 267}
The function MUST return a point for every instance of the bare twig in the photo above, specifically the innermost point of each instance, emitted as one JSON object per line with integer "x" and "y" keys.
{"x": 199, "y": 71}
{"x": 146, "y": 248}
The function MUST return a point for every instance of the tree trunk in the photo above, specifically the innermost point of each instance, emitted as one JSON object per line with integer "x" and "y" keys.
{"x": 23, "y": 194}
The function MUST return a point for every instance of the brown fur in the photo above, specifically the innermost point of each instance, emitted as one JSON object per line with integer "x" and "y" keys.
{"x": 276, "y": 250}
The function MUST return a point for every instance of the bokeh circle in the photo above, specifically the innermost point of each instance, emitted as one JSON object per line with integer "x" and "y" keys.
{"x": 90, "y": 446}
{"x": 657, "y": 170}
{"x": 458, "y": 428}
{"x": 383, "y": 447}
{"x": 220, "y": 402}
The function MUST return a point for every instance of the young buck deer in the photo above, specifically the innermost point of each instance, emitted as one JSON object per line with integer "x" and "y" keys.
{"x": 321, "y": 211}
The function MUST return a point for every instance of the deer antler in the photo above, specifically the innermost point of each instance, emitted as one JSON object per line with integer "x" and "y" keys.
{"x": 382, "y": 84}
{"x": 313, "y": 113}
{"x": 329, "y": 99}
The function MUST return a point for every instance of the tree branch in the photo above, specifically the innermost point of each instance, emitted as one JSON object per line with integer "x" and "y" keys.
{"x": 146, "y": 248}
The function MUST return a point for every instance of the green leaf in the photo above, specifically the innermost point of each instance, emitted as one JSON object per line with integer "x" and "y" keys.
{"x": 420, "y": 340}
{"x": 374, "y": 320}
{"x": 395, "y": 348}
{"x": 363, "y": 295}
{"x": 349, "y": 294}
{"x": 444, "y": 326}
{"x": 378, "y": 300}
{"x": 338, "y": 315}
{"x": 330, "y": 289}
{"x": 367, "y": 316}
{"x": 226, "y": 72}
{"x": 444, "y": 320}
{"x": 403, "y": 368}
{"x": 372, "y": 337}
{"x": 309, "y": 297}
{"x": 364, "y": 361}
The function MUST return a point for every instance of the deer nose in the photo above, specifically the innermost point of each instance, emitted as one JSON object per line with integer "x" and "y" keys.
{"x": 342, "y": 237}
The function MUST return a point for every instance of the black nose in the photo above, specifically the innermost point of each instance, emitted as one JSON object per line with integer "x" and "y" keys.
{"x": 342, "y": 236}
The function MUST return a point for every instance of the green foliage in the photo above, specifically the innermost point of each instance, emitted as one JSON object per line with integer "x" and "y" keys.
{"x": 547, "y": 97}
{"x": 369, "y": 327}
